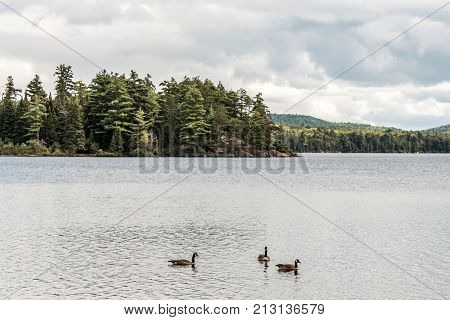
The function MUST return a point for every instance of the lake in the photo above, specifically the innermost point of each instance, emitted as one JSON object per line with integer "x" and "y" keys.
{"x": 364, "y": 226}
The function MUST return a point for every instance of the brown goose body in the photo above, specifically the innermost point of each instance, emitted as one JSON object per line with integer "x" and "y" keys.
{"x": 288, "y": 267}
{"x": 264, "y": 257}
{"x": 184, "y": 262}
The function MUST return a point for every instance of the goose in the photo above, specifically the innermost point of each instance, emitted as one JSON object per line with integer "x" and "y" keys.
{"x": 264, "y": 257}
{"x": 184, "y": 262}
{"x": 288, "y": 267}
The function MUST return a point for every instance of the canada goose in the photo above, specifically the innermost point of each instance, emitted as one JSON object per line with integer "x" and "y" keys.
{"x": 184, "y": 262}
{"x": 288, "y": 267}
{"x": 264, "y": 257}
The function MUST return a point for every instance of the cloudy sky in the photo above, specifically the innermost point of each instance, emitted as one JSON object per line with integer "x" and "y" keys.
{"x": 283, "y": 48}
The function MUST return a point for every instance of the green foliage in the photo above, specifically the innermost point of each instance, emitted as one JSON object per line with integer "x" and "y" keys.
{"x": 21, "y": 124}
{"x": 34, "y": 118}
{"x": 49, "y": 130}
{"x": 126, "y": 116}
{"x": 442, "y": 129}
{"x": 297, "y": 120}
{"x": 34, "y": 88}
{"x": 73, "y": 138}
{"x": 140, "y": 137}
{"x": 193, "y": 121}
{"x": 8, "y": 112}
{"x": 64, "y": 85}
{"x": 31, "y": 148}
{"x": 353, "y": 141}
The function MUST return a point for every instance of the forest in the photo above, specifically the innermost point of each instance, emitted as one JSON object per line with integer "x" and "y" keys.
{"x": 119, "y": 115}
{"x": 365, "y": 140}
{"x": 126, "y": 115}
{"x": 309, "y": 134}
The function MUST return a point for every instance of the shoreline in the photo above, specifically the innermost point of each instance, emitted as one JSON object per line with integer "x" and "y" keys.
{"x": 298, "y": 155}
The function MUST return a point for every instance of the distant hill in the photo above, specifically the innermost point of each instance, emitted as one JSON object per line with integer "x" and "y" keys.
{"x": 297, "y": 120}
{"x": 441, "y": 129}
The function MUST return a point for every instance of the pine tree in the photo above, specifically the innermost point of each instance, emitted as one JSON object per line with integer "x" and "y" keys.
{"x": 21, "y": 124}
{"x": 81, "y": 93}
{"x": 73, "y": 138}
{"x": 35, "y": 88}
{"x": 169, "y": 117}
{"x": 193, "y": 124}
{"x": 140, "y": 138}
{"x": 142, "y": 91}
{"x": 96, "y": 109}
{"x": 117, "y": 146}
{"x": 64, "y": 87}
{"x": 9, "y": 115}
{"x": 260, "y": 124}
{"x": 34, "y": 118}
{"x": 49, "y": 130}
{"x": 119, "y": 114}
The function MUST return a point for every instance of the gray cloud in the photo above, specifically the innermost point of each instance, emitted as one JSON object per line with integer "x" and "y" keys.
{"x": 284, "y": 49}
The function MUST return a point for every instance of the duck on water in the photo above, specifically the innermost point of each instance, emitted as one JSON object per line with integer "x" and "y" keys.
{"x": 288, "y": 267}
{"x": 185, "y": 262}
{"x": 264, "y": 257}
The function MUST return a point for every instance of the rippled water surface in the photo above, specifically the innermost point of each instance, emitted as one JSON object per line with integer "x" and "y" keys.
{"x": 363, "y": 226}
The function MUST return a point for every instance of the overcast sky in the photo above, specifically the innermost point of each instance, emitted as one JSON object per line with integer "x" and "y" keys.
{"x": 284, "y": 49}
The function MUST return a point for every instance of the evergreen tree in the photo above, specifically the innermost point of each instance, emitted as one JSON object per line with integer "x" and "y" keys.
{"x": 21, "y": 124}
{"x": 49, "y": 129}
{"x": 34, "y": 118}
{"x": 140, "y": 138}
{"x": 81, "y": 93}
{"x": 64, "y": 86}
{"x": 34, "y": 88}
{"x": 117, "y": 146}
{"x": 9, "y": 116}
{"x": 193, "y": 124}
{"x": 96, "y": 109}
{"x": 118, "y": 118}
{"x": 169, "y": 118}
{"x": 142, "y": 91}
{"x": 73, "y": 138}
{"x": 260, "y": 124}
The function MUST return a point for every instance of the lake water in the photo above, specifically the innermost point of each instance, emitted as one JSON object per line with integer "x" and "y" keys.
{"x": 364, "y": 227}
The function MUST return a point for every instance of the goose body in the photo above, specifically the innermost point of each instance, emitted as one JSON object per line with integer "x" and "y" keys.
{"x": 184, "y": 262}
{"x": 289, "y": 267}
{"x": 264, "y": 257}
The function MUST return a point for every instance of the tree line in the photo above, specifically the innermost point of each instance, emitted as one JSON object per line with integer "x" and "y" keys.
{"x": 365, "y": 141}
{"x": 125, "y": 115}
